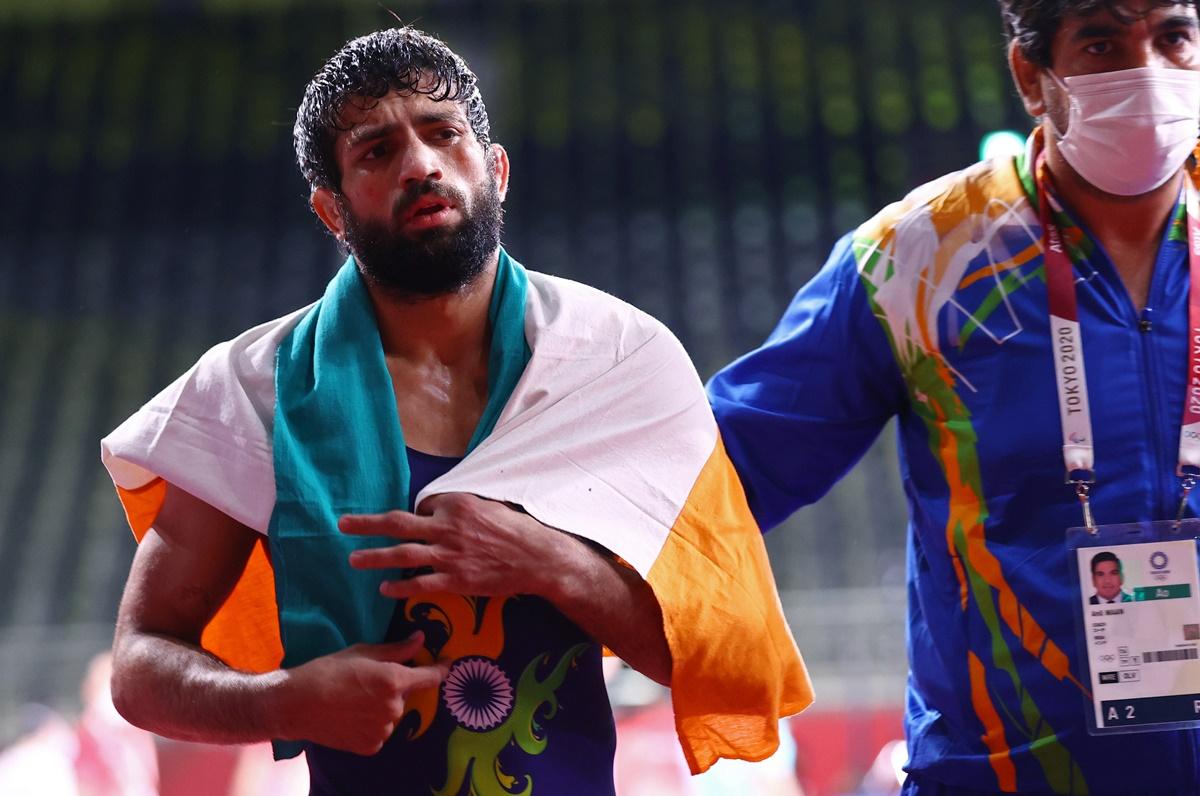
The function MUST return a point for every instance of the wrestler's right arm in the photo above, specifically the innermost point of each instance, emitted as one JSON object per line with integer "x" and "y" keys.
{"x": 164, "y": 682}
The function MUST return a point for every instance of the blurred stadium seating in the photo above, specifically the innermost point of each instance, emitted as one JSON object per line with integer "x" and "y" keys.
{"x": 697, "y": 158}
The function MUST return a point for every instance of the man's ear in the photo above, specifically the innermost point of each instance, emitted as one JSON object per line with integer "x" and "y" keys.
{"x": 499, "y": 166}
{"x": 326, "y": 206}
{"x": 1027, "y": 76}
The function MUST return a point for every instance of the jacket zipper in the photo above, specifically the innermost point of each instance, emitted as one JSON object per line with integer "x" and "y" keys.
{"x": 1156, "y": 431}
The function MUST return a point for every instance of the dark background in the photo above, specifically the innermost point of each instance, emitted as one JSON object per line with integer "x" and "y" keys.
{"x": 697, "y": 159}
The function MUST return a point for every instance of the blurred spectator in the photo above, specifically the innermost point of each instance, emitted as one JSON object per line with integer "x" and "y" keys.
{"x": 100, "y": 755}
{"x": 114, "y": 757}
{"x": 259, "y": 774}
{"x": 42, "y": 762}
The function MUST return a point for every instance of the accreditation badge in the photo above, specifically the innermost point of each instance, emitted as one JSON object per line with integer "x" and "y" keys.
{"x": 1139, "y": 605}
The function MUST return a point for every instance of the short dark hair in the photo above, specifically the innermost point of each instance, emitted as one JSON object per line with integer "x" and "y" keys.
{"x": 1033, "y": 23}
{"x": 367, "y": 69}
{"x": 1100, "y": 558}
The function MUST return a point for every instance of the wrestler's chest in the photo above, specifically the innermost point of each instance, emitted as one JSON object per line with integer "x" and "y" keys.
{"x": 438, "y": 406}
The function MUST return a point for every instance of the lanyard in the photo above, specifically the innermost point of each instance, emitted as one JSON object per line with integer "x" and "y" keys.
{"x": 1071, "y": 380}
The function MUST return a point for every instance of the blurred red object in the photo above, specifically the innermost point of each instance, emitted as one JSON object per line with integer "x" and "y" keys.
{"x": 835, "y": 748}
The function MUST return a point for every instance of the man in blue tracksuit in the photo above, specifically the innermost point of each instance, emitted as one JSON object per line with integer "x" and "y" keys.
{"x": 936, "y": 312}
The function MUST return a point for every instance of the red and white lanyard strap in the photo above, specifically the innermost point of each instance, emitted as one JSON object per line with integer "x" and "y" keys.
{"x": 1071, "y": 380}
{"x": 1189, "y": 431}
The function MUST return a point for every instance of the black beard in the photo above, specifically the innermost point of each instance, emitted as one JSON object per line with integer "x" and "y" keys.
{"x": 439, "y": 261}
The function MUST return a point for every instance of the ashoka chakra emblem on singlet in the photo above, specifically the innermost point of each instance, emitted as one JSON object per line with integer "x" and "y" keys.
{"x": 478, "y": 693}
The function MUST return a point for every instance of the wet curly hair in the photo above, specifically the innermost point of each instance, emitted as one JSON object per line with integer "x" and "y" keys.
{"x": 366, "y": 69}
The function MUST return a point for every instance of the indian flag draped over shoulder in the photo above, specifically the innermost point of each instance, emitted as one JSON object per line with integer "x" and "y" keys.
{"x": 606, "y": 433}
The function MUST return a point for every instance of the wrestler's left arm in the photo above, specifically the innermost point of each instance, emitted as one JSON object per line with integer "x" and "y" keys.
{"x": 485, "y": 548}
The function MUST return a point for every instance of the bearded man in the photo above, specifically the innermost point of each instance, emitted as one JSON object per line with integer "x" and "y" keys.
{"x": 393, "y": 528}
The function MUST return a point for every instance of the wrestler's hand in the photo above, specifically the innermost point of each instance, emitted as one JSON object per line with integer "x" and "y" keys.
{"x": 352, "y": 699}
{"x": 467, "y": 544}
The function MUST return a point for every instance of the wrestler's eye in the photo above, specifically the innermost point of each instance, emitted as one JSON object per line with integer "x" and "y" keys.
{"x": 376, "y": 151}
{"x": 446, "y": 135}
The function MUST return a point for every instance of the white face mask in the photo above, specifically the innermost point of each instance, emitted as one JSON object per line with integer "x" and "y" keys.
{"x": 1129, "y": 131}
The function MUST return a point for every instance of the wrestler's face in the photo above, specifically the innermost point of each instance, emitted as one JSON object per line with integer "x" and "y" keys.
{"x": 420, "y": 199}
{"x": 1138, "y": 34}
{"x": 1106, "y": 577}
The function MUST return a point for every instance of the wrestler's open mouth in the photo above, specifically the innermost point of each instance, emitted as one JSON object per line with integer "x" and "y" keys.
{"x": 427, "y": 207}
{"x": 428, "y": 213}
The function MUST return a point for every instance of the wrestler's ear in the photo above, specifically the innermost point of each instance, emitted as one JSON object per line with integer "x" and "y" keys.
{"x": 1028, "y": 78}
{"x": 329, "y": 210}
{"x": 498, "y": 163}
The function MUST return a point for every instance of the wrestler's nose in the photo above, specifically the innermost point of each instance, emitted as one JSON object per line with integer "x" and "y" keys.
{"x": 419, "y": 162}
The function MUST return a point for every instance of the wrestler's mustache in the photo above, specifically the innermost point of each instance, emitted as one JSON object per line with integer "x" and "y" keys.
{"x": 424, "y": 190}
